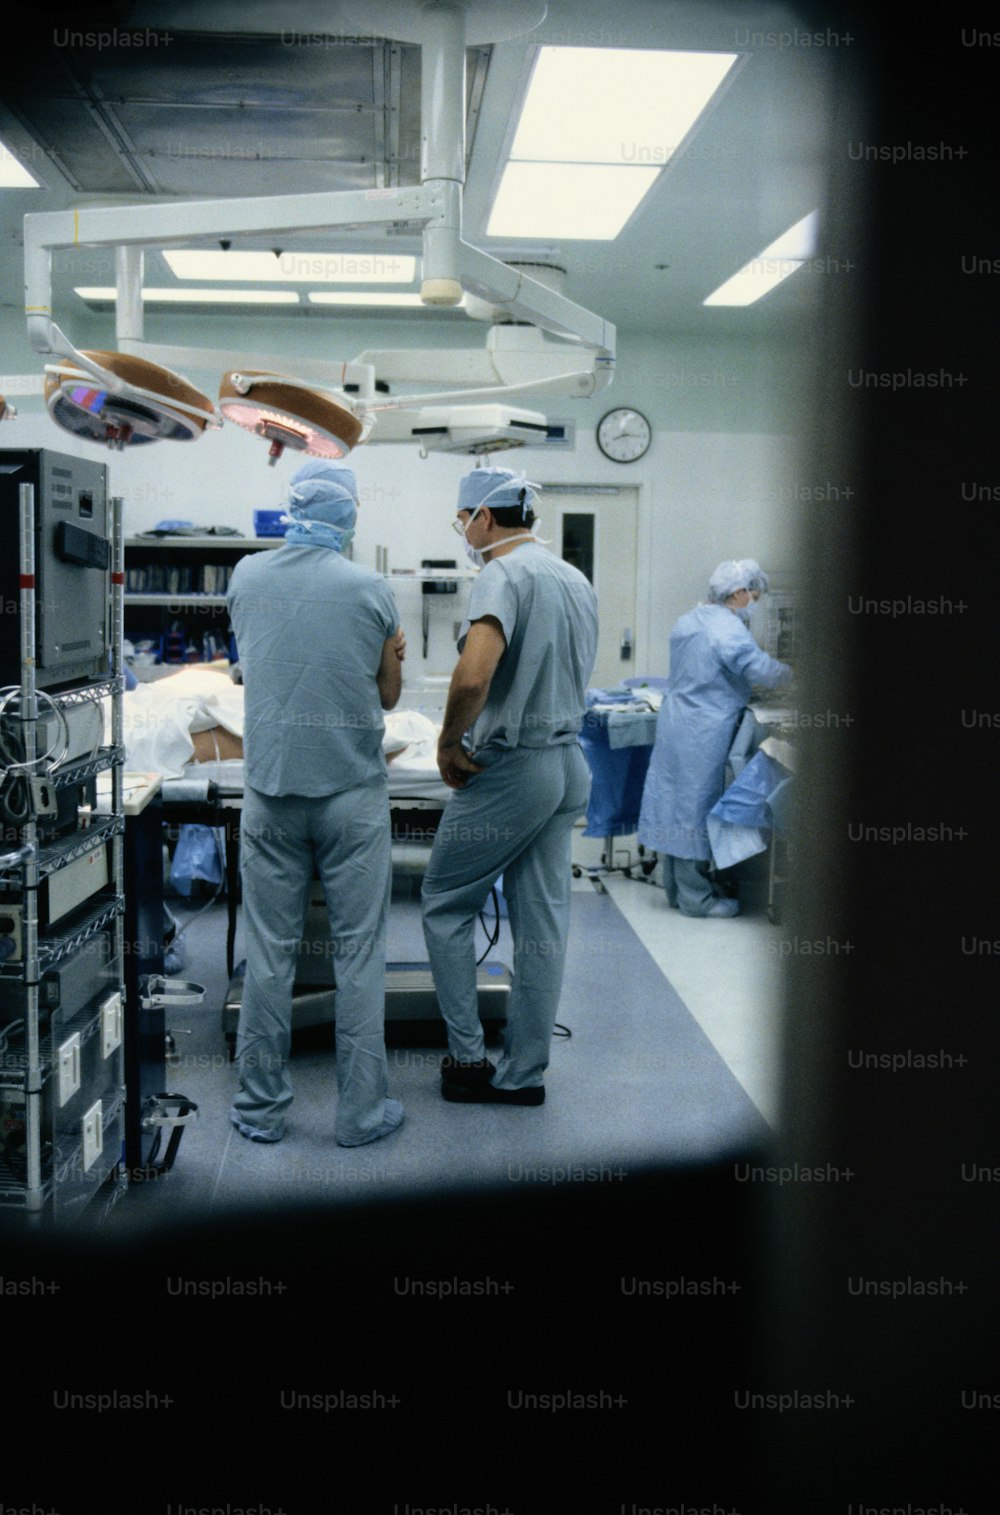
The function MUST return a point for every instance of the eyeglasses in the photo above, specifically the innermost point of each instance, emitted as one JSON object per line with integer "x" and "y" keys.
{"x": 460, "y": 526}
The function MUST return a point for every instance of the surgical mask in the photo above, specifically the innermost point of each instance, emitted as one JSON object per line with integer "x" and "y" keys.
{"x": 478, "y": 558}
{"x": 748, "y": 613}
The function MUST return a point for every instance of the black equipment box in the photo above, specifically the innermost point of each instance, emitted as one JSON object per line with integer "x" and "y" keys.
{"x": 72, "y": 563}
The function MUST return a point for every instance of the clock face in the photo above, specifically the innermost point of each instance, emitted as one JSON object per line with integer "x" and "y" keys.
{"x": 624, "y": 435}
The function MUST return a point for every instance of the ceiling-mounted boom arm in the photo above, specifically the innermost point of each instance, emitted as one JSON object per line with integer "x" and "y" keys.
{"x": 450, "y": 264}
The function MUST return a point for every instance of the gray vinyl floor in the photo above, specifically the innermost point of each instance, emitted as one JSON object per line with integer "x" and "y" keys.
{"x": 669, "y": 1059}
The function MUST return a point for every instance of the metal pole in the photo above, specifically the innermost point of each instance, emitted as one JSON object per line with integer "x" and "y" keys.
{"x": 29, "y": 869}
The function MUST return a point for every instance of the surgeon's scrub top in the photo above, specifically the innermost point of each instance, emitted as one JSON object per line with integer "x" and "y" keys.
{"x": 548, "y": 612}
{"x": 310, "y": 628}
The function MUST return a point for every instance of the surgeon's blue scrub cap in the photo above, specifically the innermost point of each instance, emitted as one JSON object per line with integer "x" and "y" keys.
{"x": 322, "y": 490}
{"x": 500, "y": 488}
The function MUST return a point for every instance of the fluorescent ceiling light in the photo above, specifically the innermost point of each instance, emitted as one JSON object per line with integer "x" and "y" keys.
{"x": 567, "y": 200}
{"x": 799, "y": 241}
{"x": 369, "y": 297}
{"x": 614, "y": 105}
{"x": 754, "y": 281}
{"x": 13, "y": 175}
{"x": 763, "y": 273}
{"x": 610, "y": 118}
{"x": 196, "y": 296}
{"x": 294, "y": 267}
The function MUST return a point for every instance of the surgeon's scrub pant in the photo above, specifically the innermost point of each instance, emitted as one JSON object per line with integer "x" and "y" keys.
{"x": 688, "y": 884}
{"x": 514, "y": 818}
{"x": 346, "y": 838}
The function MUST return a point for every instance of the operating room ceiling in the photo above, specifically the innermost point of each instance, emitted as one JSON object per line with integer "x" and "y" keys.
{"x": 218, "y": 99}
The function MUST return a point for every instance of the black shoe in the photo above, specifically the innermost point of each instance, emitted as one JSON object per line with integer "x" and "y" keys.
{"x": 488, "y": 1094}
{"x": 457, "y": 1075}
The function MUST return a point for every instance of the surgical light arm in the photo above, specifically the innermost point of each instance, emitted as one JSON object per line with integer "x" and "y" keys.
{"x": 450, "y": 264}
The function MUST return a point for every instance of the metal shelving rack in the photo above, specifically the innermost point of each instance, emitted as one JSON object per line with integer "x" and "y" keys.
{"x": 69, "y": 1154}
{"x": 225, "y": 550}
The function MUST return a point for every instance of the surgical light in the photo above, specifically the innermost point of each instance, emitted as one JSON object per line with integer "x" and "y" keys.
{"x": 146, "y": 404}
{"x": 287, "y": 414}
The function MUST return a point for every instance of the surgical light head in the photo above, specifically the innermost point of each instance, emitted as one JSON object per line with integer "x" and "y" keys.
{"x": 287, "y": 414}
{"x": 138, "y": 402}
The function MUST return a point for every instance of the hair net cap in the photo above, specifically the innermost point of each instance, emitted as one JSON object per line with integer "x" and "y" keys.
{"x": 322, "y": 490}
{"x": 756, "y": 577}
{"x": 727, "y": 578}
{"x": 500, "y": 488}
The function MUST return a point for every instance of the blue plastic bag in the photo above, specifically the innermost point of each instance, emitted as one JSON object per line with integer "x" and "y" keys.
{"x": 195, "y": 857}
{"x": 739, "y": 824}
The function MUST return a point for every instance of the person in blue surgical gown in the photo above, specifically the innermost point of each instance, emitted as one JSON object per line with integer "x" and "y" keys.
{"x": 714, "y": 662}
{"x": 509, "y": 749}
{"x": 320, "y": 651}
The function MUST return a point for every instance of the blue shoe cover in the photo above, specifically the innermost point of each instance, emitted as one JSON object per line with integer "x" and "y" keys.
{"x": 255, "y": 1133}
{"x": 391, "y": 1121}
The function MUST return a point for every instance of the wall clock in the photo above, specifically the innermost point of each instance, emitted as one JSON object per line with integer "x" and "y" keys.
{"x": 624, "y": 435}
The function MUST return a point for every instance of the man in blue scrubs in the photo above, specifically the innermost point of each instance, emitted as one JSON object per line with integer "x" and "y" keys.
{"x": 509, "y": 749}
{"x": 714, "y": 663}
{"x": 320, "y": 650}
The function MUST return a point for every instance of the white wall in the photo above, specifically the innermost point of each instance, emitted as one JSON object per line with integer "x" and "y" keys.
{"x": 720, "y": 479}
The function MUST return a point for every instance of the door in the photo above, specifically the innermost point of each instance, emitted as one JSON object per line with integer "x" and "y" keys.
{"x": 596, "y": 530}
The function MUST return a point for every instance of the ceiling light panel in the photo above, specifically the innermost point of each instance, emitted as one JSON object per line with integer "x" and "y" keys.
{"x": 771, "y": 267}
{"x": 567, "y": 200}
{"x": 597, "y": 127}
{"x": 108, "y": 293}
{"x": 13, "y": 175}
{"x": 293, "y": 267}
{"x": 753, "y": 281}
{"x": 370, "y": 297}
{"x": 614, "y": 105}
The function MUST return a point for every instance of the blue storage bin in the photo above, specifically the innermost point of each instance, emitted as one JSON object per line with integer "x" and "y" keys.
{"x": 268, "y": 523}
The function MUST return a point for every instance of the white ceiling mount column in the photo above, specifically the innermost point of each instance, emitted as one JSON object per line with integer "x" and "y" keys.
{"x": 442, "y": 146}
{"x": 485, "y": 20}
{"x": 128, "y": 307}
